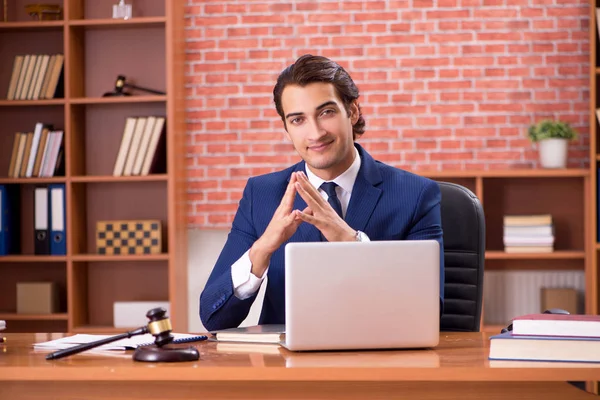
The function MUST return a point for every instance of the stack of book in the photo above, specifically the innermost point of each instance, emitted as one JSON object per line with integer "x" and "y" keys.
{"x": 265, "y": 339}
{"x": 143, "y": 147}
{"x": 528, "y": 234}
{"x": 36, "y": 76}
{"x": 549, "y": 337}
{"x": 38, "y": 153}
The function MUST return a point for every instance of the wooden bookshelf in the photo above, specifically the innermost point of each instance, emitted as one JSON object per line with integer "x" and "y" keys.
{"x": 148, "y": 49}
{"x": 503, "y": 192}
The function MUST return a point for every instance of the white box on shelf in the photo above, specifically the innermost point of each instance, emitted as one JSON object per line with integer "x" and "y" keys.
{"x": 132, "y": 314}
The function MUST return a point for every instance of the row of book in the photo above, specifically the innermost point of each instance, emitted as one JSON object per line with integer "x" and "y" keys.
{"x": 143, "y": 147}
{"x": 549, "y": 337}
{"x": 38, "y": 153}
{"x": 528, "y": 233}
{"x": 36, "y": 76}
{"x": 49, "y": 222}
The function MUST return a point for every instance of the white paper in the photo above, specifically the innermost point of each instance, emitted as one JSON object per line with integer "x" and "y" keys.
{"x": 2, "y": 325}
{"x": 122, "y": 344}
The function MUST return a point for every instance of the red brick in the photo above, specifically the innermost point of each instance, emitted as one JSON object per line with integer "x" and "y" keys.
{"x": 450, "y": 14}
{"x": 459, "y": 155}
{"x": 452, "y": 108}
{"x": 441, "y": 85}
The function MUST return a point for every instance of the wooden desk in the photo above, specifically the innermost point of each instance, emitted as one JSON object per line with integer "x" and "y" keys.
{"x": 457, "y": 368}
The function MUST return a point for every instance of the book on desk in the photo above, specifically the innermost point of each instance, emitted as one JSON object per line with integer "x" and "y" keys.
{"x": 268, "y": 333}
{"x": 549, "y": 337}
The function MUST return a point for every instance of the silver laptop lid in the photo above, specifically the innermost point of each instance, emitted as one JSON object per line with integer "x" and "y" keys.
{"x": 362, "y": 295}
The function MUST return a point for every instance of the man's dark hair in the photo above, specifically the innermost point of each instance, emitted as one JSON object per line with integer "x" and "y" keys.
{"x": 309, "y": 69}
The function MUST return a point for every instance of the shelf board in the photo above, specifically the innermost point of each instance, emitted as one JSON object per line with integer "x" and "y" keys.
{"x": 100, "y": 257}
{"x": 118, "y": 99}
{"x": 119, "y": 23}
{"x": 508, "y": 173}
{"x": 31, "y": 258}
{"x": 100, "y": 329}
{"x": 31, "y": 25}
{"x": 24, "y": 103}
{"x": 31, "y": 181}
{"x": 33, "y": 317}
{"x": 556, "y": 255}
{"x": 110, "y": 178}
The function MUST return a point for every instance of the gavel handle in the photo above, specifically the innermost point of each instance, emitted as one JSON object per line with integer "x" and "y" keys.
{"x": 130, "y": 85}
{"x": 86, "y": 346}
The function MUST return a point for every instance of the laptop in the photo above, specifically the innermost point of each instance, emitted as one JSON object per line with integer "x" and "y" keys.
{"x": 362, "y": 295}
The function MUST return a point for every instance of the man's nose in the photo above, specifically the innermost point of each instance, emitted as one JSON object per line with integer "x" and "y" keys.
{"x": 316, "y": 131}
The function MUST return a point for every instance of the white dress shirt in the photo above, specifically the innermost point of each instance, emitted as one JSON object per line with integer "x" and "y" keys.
{"x": 245, "y": 283}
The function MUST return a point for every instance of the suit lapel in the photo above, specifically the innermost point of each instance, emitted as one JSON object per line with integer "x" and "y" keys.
{"x": 365, "y": 194}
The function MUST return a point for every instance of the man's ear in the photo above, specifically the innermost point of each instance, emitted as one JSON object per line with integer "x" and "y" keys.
{"x": 354, "y": 114}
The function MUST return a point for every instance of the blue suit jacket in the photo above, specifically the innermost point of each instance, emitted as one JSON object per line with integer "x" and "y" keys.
{"x": 386, "y": 203}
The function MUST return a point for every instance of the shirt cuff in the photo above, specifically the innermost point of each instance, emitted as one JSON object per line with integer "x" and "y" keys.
{"x": 245, "y": 283}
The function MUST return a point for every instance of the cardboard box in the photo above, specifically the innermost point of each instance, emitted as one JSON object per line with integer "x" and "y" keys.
{"x": 564, "y": 298}
{"x": 37, "y": 298}
{"x": 132, "y": 314}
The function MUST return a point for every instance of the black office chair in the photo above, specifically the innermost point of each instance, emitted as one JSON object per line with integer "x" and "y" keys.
{"x": 463, "y": 223}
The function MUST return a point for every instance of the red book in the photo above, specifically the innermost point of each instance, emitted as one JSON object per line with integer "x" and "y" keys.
{"x": 564, "y": 325}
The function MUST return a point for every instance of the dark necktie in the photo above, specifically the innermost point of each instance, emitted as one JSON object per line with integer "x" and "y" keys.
{"x": 329, "y": 188}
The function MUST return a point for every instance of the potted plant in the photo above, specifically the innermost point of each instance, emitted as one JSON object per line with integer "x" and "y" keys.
{"x": 553, "y": 138}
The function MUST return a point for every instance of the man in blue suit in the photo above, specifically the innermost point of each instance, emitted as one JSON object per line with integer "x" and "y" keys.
{"x": 337, "y": 193}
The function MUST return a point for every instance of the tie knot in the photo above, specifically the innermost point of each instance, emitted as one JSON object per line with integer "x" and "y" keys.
{"x": 329, "y": 188}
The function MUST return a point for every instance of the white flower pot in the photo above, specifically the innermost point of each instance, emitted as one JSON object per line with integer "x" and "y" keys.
{"x": 553, "y": 153}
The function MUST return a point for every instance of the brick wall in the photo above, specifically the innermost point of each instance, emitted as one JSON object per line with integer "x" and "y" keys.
{"x": 445, "y": 84}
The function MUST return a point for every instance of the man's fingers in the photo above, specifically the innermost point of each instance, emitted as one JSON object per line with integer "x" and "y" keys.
{"x": 287, "y": 202}
{"x": 310, "y": 200}
{"x": 309, "y": 188}
{"x": 307, "y": 218}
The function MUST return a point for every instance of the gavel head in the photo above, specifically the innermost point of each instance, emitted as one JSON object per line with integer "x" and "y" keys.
{"x": 159, "y": 326}
{"x": 120, "y": 84}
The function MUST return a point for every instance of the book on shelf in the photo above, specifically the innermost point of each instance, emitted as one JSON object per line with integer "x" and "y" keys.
{"x": 528, "y": 233}
{"x": 37, "y": 154}
{"x": 143, "y": 147}
{"x": 268, "y": 333}
{"x": 9, "y": 224}
{"x": 36, "y": 76}
{"x": 508, "y": 346}
{"x": 574, "y": 325}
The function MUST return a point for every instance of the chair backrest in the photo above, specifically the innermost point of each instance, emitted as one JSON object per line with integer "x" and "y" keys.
{"x": 463, "y": 223}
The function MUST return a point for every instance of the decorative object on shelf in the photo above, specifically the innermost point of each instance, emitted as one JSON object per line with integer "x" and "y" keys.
{"x": 132, "y": 237}
{"x": 44, "y": 12}
{"x": 121, "y": 84}
{"x": 37, "y": 298}
{"x": 553, "y": 138}
{"x": 160, "y": 327}
{"x": 122, "y": 10}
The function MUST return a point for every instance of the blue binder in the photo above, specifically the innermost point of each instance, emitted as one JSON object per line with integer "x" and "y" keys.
{"x": 9, "y": 219}
{"x": 56, "y": 202}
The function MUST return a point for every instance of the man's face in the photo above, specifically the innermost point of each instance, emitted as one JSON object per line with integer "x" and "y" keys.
{"x": 319, "y": 127}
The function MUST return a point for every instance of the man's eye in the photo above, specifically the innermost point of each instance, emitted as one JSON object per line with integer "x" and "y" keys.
{"x": 296, "y": 121}
{"x": 327, "y": 112}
